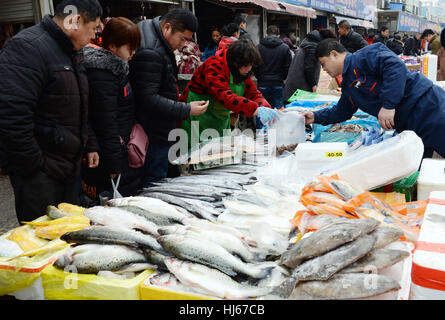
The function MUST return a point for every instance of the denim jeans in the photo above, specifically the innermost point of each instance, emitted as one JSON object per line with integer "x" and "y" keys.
{"x": 156, "y": 164}
{"x": 274, "y": 95}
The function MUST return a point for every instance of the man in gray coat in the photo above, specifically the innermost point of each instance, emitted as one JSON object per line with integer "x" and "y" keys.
{"x": 304, "y": 71}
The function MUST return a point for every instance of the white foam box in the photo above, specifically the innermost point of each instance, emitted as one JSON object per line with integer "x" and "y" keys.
{"x": 380, "y": 164}
{"x": 428, "y": 268}
{"x": 429, "y": 66}
{"x": 312, "y": 157}
{"x": 431, "y": 178}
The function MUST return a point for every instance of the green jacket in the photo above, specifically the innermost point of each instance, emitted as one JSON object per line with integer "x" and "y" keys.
{"x": 435, "y": 44}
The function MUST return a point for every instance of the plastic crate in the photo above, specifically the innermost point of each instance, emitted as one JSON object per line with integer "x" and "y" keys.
{"x": 407, "y": 186}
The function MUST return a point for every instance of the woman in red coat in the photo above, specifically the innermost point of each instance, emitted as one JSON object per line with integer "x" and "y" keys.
{"x": 224, "y": 80}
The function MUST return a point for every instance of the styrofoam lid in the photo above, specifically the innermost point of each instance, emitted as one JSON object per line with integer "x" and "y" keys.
{"x": 432, "y": 172}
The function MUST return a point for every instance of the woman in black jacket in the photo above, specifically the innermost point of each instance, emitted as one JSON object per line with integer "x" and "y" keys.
{"x": 111, "y": 107}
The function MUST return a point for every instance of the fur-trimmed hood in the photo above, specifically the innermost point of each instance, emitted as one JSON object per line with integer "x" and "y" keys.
{"x": 99, "y": 58}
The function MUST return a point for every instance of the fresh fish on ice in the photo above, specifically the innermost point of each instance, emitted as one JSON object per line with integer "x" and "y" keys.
{"x": 113, "y": 235}
{"x": 345, "y": 286}
{"x": 323, "y": 267}
{"x": 228, "y": 241}
{"x": 212, "y": 255}
{"x": 117, "y": 217}
{"x": 92, "y": 258}
{"x": 318, "y": 243}
{"x": 212, "y": 281}
{"x": 386, "y": 235}
{"x": 375, "y": 260}
{"x": 204, "y": 224}
{"x": 198, "y": 208}
{"x": 157, "y": 211}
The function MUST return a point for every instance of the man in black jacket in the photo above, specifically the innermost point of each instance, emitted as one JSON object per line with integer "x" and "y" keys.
{"x": 154, "y": 78}
{"x": 350, "y": 39}
{"x": 271, "y": 74}
{"x": 412, "y": 46}
{"x": 44, "y": 108}
{"x": 396, "y": 44}
{"x": 382, "y": 36}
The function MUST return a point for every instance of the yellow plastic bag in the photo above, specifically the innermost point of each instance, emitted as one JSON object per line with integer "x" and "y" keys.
{"x": 60, "y": 285}
{"x": 20, "y": 273}
{"x": 26, "y": 238}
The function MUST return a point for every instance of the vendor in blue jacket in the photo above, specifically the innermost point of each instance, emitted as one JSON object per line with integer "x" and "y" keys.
{"x": 378, "y": 82}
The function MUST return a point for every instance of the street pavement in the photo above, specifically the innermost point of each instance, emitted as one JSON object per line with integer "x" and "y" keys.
{"x": 8, "y": 219}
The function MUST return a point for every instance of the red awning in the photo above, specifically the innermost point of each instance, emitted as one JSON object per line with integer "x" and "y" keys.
{"x": 266, "y": 4}
{"x": 299, "y": 10}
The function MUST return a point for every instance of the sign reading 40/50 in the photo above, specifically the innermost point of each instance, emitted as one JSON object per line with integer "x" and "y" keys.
{"x": 335, "y": 154}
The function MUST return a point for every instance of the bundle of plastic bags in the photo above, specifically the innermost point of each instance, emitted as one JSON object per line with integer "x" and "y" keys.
{"x": 329, "y": 197}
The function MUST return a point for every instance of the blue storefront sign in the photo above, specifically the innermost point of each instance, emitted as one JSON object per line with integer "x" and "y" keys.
{"x": 346, "y": 7}
{"x": 362, "y": 9}
{"x": 396, "y": 6}
{"x": 408, "y": 23}
{"x": 325, "y": 5}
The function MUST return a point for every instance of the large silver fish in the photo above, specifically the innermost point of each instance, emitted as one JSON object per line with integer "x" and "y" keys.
{"x": 228, "y": 241}
{"x": 113, "y": 235}
{"x": 323, "y": 267}
{"x": 208, "y": 225}
{"x": 198, "y": 208}
{"x": 375, "y": 260}
{"x": 212, "y": 281}
{"x": 116, "y": 217}
{"x": 92, "y": 258}
{"x": 386, "y": 235}
{"x": 212, "y": 255}
{"x": 345, "y": 286}
{"x": 157, "y": 211}
{"x": 188, "y": 191}
{"x": 367, "y": 225}
{"x": 319, "y": 242}
{"x": 215, "y": 181}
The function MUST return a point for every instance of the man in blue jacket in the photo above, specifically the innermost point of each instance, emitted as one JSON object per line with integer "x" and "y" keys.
{"x": 378, "y": 82}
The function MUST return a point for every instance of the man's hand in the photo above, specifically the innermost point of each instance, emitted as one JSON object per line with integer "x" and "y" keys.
{"x": 91, "y": 159}
{"x": 308, "y": 116}
{"x": 198, "y": 107}
{"x": 386, "y": 118}
{"x": 314, "y": 88}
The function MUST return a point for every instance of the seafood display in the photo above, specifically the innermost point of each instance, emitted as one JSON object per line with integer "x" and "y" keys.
{"x": 251, "y": 230}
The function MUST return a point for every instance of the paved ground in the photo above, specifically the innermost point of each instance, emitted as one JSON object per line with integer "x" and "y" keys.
{"x": 8, "y": 219}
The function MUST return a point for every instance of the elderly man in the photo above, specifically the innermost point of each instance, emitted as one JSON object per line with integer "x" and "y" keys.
{"x": 350, "y": 39}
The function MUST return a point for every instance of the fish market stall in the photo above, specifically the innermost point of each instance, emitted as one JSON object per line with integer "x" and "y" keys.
{"x": 245, "y": 220}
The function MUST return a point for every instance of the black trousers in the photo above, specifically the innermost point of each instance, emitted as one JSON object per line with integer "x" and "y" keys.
{"x": 34, "y": 193}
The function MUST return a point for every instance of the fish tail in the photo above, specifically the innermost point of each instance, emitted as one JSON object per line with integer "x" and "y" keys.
{"x": 261, "y": 272}
{"x": 284, "y": 290}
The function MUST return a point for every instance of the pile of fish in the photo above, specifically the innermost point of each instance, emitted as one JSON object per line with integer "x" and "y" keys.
{"x": 334, "y": 262}
{"x": 135, "y": 233}
{"x": 347, "y": 127}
